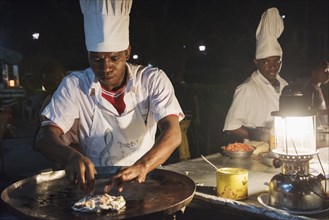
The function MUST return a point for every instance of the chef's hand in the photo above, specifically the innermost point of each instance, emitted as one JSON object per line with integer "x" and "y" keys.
{"x": 81, "y": 171}
{"x": 259, "y": 134}
{"x": 135, "y": 172}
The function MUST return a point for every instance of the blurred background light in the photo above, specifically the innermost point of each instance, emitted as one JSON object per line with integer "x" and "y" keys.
{"x": 202, "y": 48}
{"x": 35, "y": 36}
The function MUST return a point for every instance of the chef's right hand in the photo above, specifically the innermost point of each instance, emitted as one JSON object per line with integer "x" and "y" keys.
{"x": 81, "y": 171}
{"x": 259, "y": 134}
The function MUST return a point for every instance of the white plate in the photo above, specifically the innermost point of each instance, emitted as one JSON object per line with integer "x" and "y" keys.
{"x": 263, "y": 199}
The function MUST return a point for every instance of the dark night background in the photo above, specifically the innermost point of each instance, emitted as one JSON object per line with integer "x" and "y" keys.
{"x": 164, "y": 33}
{"x": 160, "y": 28}
{"x": 167, "y": 33}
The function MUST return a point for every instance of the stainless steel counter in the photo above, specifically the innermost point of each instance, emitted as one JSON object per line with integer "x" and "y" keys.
{"x": 204, "y": 176}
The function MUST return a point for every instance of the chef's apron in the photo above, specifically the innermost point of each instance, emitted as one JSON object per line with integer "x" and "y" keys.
{"x": 118, "y": 140}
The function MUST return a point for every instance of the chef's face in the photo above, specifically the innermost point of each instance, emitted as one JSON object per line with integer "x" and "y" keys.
{"x": 109, "y": 67}
{"x": 326, "y": 75}
{"x": 269, "y": 67}
{"x": 321, "y": 73}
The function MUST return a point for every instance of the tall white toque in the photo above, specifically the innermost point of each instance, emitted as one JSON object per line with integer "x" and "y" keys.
{"x": 269, "y": 30}
{"x": 106, "y": 24}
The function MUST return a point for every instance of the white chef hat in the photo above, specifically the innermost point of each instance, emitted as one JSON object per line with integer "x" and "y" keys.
{"x": 106, "y": 24}
{"x": 269, "y": 30}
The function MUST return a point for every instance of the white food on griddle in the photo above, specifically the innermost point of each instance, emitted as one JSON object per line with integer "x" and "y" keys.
{"x": 99, "y": 203}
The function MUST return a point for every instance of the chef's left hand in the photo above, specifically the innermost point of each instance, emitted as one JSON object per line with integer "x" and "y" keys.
{"x": 135, "y": 172}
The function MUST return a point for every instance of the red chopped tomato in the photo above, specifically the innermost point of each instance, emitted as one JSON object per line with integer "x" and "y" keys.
{"x": 235, "y": 147}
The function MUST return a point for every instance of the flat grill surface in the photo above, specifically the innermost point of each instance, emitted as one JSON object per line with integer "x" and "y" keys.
{"x": 50, "y": 196}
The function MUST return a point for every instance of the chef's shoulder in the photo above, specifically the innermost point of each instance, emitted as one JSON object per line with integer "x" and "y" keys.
{"x": 75, "y": 79}
{"x": 282, "y": 81}
{"x": 246, "y": 88}
{"x": 149, "y": 76}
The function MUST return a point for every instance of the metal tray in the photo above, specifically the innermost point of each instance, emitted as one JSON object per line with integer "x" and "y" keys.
{"x": 236, "y": 154}
{"x": 50, "y": 196}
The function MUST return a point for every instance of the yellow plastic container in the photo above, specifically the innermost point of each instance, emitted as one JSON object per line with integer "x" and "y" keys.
{"x": 232, "y": 183}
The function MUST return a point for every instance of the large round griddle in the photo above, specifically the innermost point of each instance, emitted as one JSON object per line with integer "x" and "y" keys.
{"x": 50, "y": 196}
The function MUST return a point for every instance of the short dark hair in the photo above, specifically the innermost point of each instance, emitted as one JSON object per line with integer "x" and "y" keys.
{"x": 317, "y": 64}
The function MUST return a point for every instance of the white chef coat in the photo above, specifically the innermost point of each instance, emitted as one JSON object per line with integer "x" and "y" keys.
{"x": 253, "y": 102}
{"x": 149, "y": 96}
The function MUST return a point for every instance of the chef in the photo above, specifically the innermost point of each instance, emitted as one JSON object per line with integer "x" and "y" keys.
{"x": 249, "y": 116}
{"x": 119, "y": 106}
{"x": 312, "y": 91}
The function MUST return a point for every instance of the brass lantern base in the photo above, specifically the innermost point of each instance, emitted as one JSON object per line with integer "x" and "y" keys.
{"x": 295, "y": 193}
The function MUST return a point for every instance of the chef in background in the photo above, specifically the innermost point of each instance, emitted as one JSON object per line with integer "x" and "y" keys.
{"x": 312, "y": 91}
{"x": 249, "y": 116}
{"x": 118, "y": 105}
